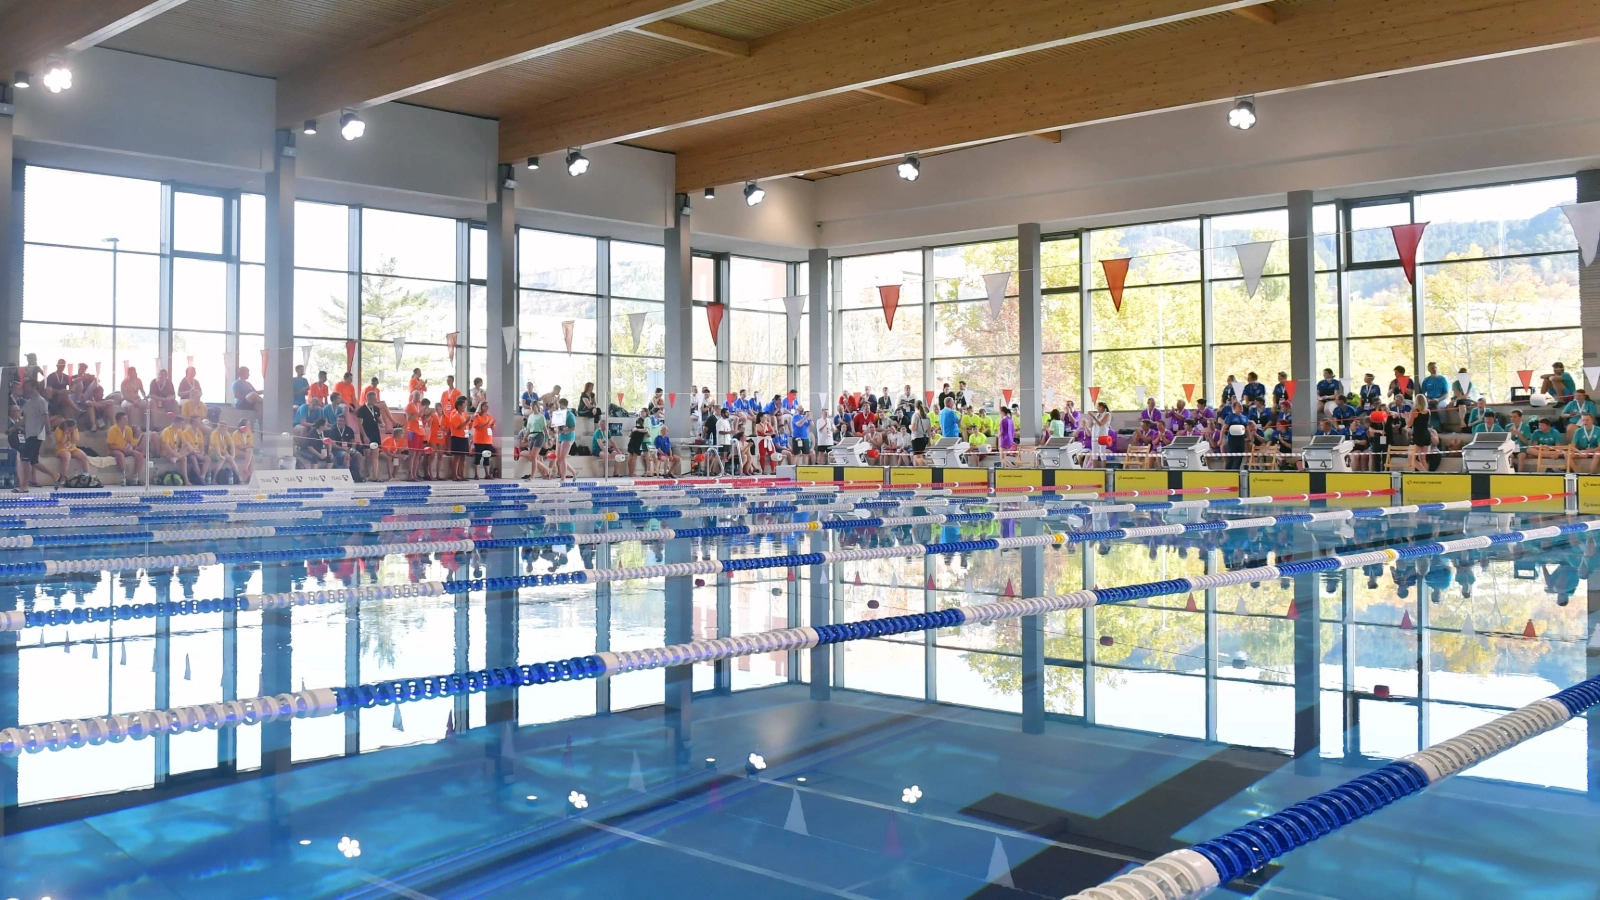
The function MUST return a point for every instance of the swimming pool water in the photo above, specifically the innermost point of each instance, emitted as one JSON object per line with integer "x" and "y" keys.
{"x": 1033, "y": 756}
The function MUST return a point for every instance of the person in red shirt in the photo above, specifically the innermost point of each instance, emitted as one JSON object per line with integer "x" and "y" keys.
{"x": 346, "y": 388}
{"x": 449, "y": 396}
{"x": 455, "y": 420}
{"x": 482, "y": 425}
{"x": 319, "y": 390}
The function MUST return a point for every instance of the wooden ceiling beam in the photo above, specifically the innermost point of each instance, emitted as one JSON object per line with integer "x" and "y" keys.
{"x": 32, "y": 31}
{"x": 887, "y": 40}
{"x": 466, "y": 38}
{"x": 1261, "y": 13}
{"x": 1205, "y": 62}
{"x": 899, "y": 93}
{"x": 684, "y": 36}
{"x": 1053, "y": 137}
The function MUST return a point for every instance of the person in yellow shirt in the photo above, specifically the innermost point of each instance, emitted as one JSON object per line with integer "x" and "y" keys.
{"x": 244, "y": 452}
{"x": 222, "y": 452}
{"x": 180, "y": 443}
{"x": 67, "y": 450}
{"x": 122, "y": 440}
{"x": 192, "y": 406}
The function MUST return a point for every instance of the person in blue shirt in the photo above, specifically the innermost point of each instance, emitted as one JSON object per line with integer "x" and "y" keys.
{"x": 1436, "y": 388}
{"x": 298, "y": 386}
{"x": 1361, "y": 436}
{"x": 1253, "y": 389}
{"x": 1256, "y": 412}
{"x": 1326, "y": 428}
{"x": 1237, "y": 426}
{"x": 1486, "y": 422}
{"x": 1371, "y": 394}
{"x": 1476, "y": 414}
{"x": 309, "y": 411}
{"x": 1347, "y": 410}
{"x": 1585, "y": 444}
{"x": 800, "y": 427}
{"x": 1280, "y": 391}
{"x": 1329, "y": 387}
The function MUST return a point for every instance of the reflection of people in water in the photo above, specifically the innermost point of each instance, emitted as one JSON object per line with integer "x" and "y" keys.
{"x": 1561, "y": 580}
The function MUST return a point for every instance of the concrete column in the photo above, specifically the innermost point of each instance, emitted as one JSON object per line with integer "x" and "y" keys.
{"x": 501, "y": 647}
{"x": 278, "y": 414}
{"x": 1302, "y": 315}
{"x": 10, "y": 239}
{"x": 1030, "y": 331}
{"x": 821, "y": 609}
{"x": 818, "y": 345}
{"x": 679, "y": 313}
{"x": 679, "y": 688}
{"x": 1589, "y": 279}
{"x": 501, "y": 302}
{"x": 277, "y": 658}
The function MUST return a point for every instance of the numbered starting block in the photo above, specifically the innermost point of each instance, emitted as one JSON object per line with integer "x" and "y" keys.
{"x": 848, "y": 452}
{"x": 1328, "y": 453}
{"x": 947, "y": 453}
{"x": 1061, "y": 453}
{"x": 1185, "y": 452}
{"x": 1489, "y": 452}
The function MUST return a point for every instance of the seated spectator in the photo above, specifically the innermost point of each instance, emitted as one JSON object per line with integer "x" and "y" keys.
{"x": 1585, "y": 446}
{"x": 122, "y": 442}
{"x": 245, "y": 396}
{"x": 1545, "y": 443}
{"x": 67, "y": 451}
{"x": 1558, "y": 383}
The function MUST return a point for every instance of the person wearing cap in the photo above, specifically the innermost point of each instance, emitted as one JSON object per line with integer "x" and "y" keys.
{"x": 1558, "y": 382}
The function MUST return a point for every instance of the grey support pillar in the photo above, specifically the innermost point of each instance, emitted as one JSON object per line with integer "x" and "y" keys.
{"x": 1589, "y": 279}
{"x": 1302, "y": 315}
{"x": 10, "y": 239}
{"x": 679, "y": 311}
{"x": 819, "y": 268}
{"x": 821, "y": 607}
{"x": 278, "y": 414}
{"x": 503, "y": 385}
{"x": 501, "y": 645}
{"x": 277, "y": 658}
{"x": 1030, "y": 331}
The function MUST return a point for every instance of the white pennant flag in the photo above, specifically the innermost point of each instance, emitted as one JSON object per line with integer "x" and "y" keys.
{"x": 793, "y": 306}
{"x": 1465, "y": 380}
{"x": 1142, "y": 394}
{"x": 1593, "y": 374}
{"x": 1585, "y": 219}
{"x": 636, "y": 327}
{"x": 995, "y": 283}
{"x": 1345, "y": 384}
{"x": 305, "y": 355}
{"x": 508, "y": 337}
{"x": 399, "y": 352}
{"x": 1252, "y": 262}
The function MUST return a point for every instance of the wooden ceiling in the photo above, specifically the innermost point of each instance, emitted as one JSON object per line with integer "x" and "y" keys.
{"x": 743, "y": 89}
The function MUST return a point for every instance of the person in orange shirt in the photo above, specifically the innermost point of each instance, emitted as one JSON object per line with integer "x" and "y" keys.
{"x": 439, "y": 441}
{"x": 416, "y": 434}
{"x": 418, "y": 385}
{"x": 346, "y": 388}
{"x": 389, "y": 452}
{"x": 448, "y": 397}
{"x": 455, "y": 419}
{"x": 482, "y": 441}
{"x": 319, "y": 390}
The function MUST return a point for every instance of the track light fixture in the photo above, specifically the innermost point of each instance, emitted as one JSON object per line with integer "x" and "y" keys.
{"x": 351, "y": 126}
{"x": 753, "y": 194}
{"x": 1243, "y": 114}
{"x": 533, "y": 163}
{"x": 21, "y": 80}
{"x": 577, "y": 163}
{"x": 58, "y": 79}
{"x": 711, "y": 193}
{"x": 311, "y": 126}
{"x": 911, "y": 167}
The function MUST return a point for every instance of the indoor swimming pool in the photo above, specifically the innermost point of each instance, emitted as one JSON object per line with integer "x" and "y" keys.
{"x": 759, "y": 688}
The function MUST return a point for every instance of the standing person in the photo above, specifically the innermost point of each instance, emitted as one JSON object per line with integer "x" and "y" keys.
{"x": 298, "y": 386}
{"x": 372, "y": 419}
{"x": 418, "y": 384}
{"x": 920, "y": 427}
{"x": 800, "y": 431}
{"x": 1099, "y": 421}
{"x": 346, "y": 388}
{"x": 477, "y": 396}
{"x": 824, "y": 438}
{"x": 636, "y": 444}
{"x": 537, "y": 430}
{"x": 564, "y": 439}
{"x": 724, "y": 440}
{"x": 949, "y": 419}
{"x": 1008, "y": 437}
{"x": 417, "y": 431}
{"x": 1237, "y": 424}
{"x": 244, "y": 451}
{"x": 122, "y": 441}
{"x": 33, "y": 413}
{"x": 1424, "y": 441}
{"x": 483, "y": 433}
{"x": 455, "y": 419}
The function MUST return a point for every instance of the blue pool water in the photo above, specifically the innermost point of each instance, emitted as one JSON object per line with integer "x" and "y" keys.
{"x": 1031, "y": 756}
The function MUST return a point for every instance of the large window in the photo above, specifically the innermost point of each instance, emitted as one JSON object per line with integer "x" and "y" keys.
{"x": 969, "y": 343}
{"x": 1153, "y": 341}
{"x": 638, "y": 329}
{"x": 558, "y": 312}
{"x": 872, "y": 354}
{"x": 758, "y": 349}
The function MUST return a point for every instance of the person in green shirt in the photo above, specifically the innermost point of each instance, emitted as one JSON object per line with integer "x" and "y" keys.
{"x": 1579, "y": 406}
{"x": 1476, "y": 414}
{"x": 1585, "y": 444}
{"x": 1546, "y": 444}
{"x": 1485, "y": 421}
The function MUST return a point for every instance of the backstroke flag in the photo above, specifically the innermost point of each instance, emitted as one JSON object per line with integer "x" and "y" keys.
{"x": 889, "y": 296}
{"x": 399, "y": 352}
{"x": 1585, "y": 219}
{"x": 1116, "y": 275}
{"x": 349, "y": 356}
{"x": 714, "y": 313}
{"x": 566, "y": 333}
{"x": 793, "y": 306}
{"x": 636, "y": 327}
{"x": 508, "y": 338}
{"x": 305, "y": 354}
{"x": 1252, "y": 262}
{"x": 451, "y": 338}
{"x": 1593, "y": 374}
{"x": 1406, "y": 239}
{"x": 995, "y": 284}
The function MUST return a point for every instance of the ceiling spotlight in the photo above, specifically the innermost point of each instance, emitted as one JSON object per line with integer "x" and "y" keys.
{"x": 910, "y": 168}
{"x": 533, "y": 163}
{"x": 753, "y": 193}
{"x": 351, "y": 126}
{"x": 1243, "y": 114}
{"x": 311, "y": 126}
{"x": 577, "y": 163}
{"x": 711, "y": 193}
{"x": 58, "y": 79}
{"x": 21, "y": 80}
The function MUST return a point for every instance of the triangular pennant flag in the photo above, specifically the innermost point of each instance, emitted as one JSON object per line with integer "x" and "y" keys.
{"x": 929, "y": 585}
{"x": 999, "y": 867}
{"x": 1190, "y": 606}
{"x": 1464, "y": 379}
{"x": 349, "y": 356}
{"x": 1294, "y": 611}
{"x": 1116, "y": 275}
{"x": 1405, "y": 621}
{"x": 714, "y": 313}
{"x": 1239, "y": 609}
{"x": 1527, "y": 377}
{"x": 793, "y": 306}
{"x": 1252, "y": 262}
{"x": 995, "y": 284}
{"x": 1188, "y": 392}
{"x": 1467, "y": 628}
{"x": 305, "y": 355}
{"x": 1585, "y": 219}
{"x": 636, "y": 327}
{"x": 889, "y": 296}
{"x": 508, "y": 340}
{"x": 1094, "y": 394}
{"x": 97, "y": 368}
{"x": 1404, "y": 383}
{"x": 636, "y": 776}
{"x": 796, "y": 820}
{"x": 620, "y": 395}
{"x": 191, "y": 361}
{"x": 187, "y": 673}
{"x": 1289, "y": 388}
{"x": 123, "y": 658}
{"x": 927, "y": 397}
{"x": 1141, "y": 393}
{"x": 1344, "y": 385}
{"x": 1528, "y": 632}
{"x": 398, "y": 724}
{"x": 1406, "y": 239}
{"x": 1011, "y": 588}
{"x": 263, "y": 363}
{"x": 672, "y": 398}
{"x": 399, "y": 352}
{"x": 1593, "y": 374}
{"x": 1006, "y": 393}
{"x": 731, "y": 395}
{"x": 891, "y": 839}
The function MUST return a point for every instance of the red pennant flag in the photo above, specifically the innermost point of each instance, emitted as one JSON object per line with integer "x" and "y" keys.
{"x": 191, "y": 362}
{"x": 1294, "y": 611}
{"x": 672, "y": 398}
{"x": 1094, "y": 395}
{"x": 1405, "y": 621}
{"x": 1406, "y": 239}
{"x": 731, "y": 395}
{"x": 930, "y": 583}
{"x": 619, "y": 398}
{"x": 1116, "y": 275}
{"x": 349, "y": 356}
{"x": 1528, "y": 631}
{"x": 451, "y": 338}
{"x": 1011, "y": 589}
{"x": 1190, "y": 606}
{"x": 1006, "y": 393}
{"x": 1288, "y": 389}
{"x": 1188, "y": 392}
{"x": 263, "y": 363}
{"x": 858, "y": 579}
{"x": 889, "y": 294}
{"x": 1527, "y": 377}
{"x": 714, "y": 313}
{"x": 1404, "y": 382}
{"x": 928, "y": 397}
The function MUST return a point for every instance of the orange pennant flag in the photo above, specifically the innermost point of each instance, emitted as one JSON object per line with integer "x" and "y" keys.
{"x": 1116, "y": 275}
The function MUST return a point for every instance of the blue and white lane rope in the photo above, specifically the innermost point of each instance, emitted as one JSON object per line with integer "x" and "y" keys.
{"x": 327, "y": 701}
{"x": 247, "y": 602}
{"x": 1195, "y": 872}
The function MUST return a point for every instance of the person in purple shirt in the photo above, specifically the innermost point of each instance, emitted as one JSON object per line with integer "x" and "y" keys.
{"x": 1203, "y": 412}
{"x": 1008, "y": 435}
{"x": 1151, "y": 412}
{"x": 1070, "y": 416}
{"x": 1178, "y": 416}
